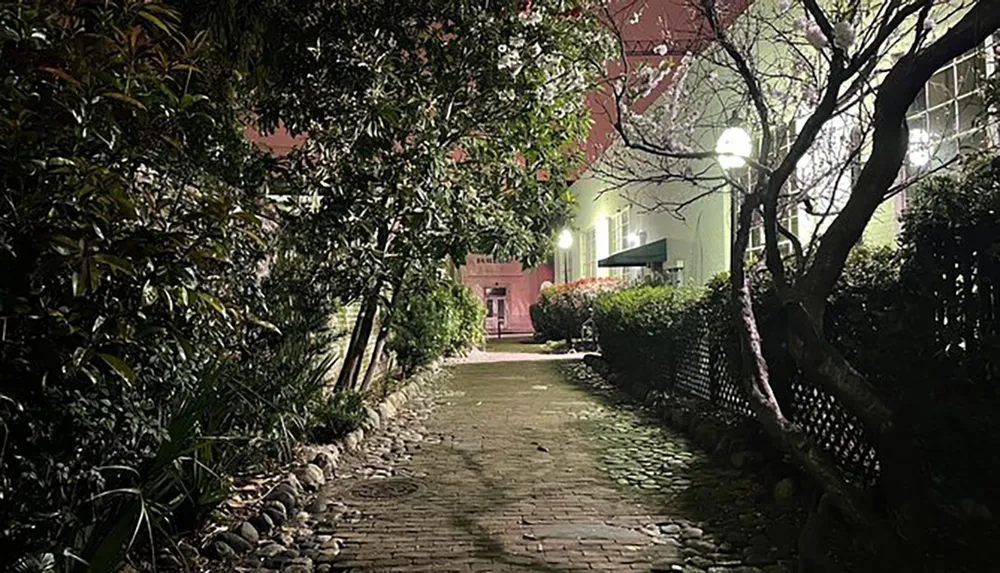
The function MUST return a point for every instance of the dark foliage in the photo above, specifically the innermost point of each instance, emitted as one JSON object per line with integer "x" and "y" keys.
{"x": 436, "y": 317}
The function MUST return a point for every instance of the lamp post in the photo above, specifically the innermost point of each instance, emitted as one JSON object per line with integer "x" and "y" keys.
{"x": 734, "y": 147}
{"x": 565, "y": 242}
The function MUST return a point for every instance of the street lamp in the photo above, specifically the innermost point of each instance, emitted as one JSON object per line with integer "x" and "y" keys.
{"x": 565, "y": 242}
{"x": 734, "y": 147}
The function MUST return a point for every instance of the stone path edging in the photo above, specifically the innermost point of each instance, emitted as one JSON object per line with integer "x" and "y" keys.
{"x": 298, "y": 495}
{"x": 739, "y": 446}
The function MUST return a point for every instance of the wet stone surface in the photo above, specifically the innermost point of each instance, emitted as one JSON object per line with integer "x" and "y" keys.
{"x": 530, "y": 466}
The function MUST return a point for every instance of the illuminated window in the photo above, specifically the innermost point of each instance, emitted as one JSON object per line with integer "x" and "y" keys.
{"x": 945, "y": 118}
{"x": 619, "y": 238}
{"x": 588, "y": 253}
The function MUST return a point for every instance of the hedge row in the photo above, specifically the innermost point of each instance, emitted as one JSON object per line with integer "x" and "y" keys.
{"x": 562, "y": 309}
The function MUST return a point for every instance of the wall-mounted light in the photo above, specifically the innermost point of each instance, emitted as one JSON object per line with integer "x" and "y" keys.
{"x": 633, "y": 239}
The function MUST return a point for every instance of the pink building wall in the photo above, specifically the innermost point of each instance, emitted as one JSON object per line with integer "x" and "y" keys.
{"x": 523, "y": 286}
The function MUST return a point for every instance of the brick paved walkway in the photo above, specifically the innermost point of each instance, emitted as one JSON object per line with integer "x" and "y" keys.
{"x": 519, "y": 469}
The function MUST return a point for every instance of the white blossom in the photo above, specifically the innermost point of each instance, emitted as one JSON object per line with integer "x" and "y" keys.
{"x": 784, "y": 6}
{"x": 510, "y": 60}
{"x": 929, "y": 24}
{"x": 636, "y": 16}
{"x": 843, "y": 35}
{"x": 535, "y": 50}
{"x": 660, "y": 50}
{"x": 801, "y": 23}
{"x": 517, "y": 42}
{"x": 502, "y": 48}
{"x": 815, "y": 37}
{"x": 533, "y": 18}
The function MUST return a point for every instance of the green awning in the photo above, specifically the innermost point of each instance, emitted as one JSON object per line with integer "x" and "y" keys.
{"x": 655, "y": 252}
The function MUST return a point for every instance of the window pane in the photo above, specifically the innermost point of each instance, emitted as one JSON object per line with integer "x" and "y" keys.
{"x": 943, "y": 121}
{"x": 969, "y": 72}
{"x": 920, "y": 103}
{"x": 970, "y": 110}
{"x": 946, "y": 151}
{"x": 941, "y": 88}
{"x": 972, "y": 141}
{"x": 917, "y": 122}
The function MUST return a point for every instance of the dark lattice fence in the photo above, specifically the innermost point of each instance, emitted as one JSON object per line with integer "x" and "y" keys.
{"x": 705, "y": 369}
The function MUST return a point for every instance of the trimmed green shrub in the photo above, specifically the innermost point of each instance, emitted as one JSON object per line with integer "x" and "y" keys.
{"x": 562, "y": 309}
{"x": 435, "y": 320}
{"x": 639, "y": 329}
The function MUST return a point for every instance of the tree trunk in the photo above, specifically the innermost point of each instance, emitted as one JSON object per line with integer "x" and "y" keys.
{"x": 818, "y": 463}
{"x": 359, "y": 341}
{"x": 344, "y": 366}
{"x": 903, "y": 478}
{"x": 383, "y": 333}
{"x": 366, "y": 332}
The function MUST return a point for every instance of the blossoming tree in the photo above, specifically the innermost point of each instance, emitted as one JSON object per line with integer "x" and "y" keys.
{"x": 432, "y": 130}
{"x": 825, "y": 88}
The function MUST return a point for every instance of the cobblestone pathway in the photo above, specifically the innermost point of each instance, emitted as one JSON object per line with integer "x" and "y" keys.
{"x": 513, "y": 467}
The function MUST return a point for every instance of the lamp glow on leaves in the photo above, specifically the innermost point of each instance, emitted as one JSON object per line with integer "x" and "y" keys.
{"x": 565, "y": 239}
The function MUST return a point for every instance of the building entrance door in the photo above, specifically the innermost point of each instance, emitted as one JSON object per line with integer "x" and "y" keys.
{"x": 496, "y": 310}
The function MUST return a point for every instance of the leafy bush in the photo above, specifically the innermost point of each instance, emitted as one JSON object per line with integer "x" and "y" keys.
{"x": 143, "y": 354}
{"x": 562, "y": 309}
{"x": 470, "y": 323}
{"x": 640, "y": 329}
{"x": 433, "y": 320}
{"x": 336, "y": 416}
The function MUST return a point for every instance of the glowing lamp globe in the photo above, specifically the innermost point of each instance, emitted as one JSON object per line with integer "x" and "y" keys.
{"x": 734, "y": 147}
{"x": 565, "y": 239}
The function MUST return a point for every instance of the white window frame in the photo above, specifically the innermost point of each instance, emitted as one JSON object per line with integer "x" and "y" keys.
{"x": 618, "y": 237}
{"x": 588, "y": 253}
{"x": 989, "y": 137}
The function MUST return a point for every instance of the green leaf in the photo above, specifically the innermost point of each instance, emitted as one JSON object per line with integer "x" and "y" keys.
{"x": 185, "y": 347}
{"x": 173, "y": 142}
{"x": 262, "y": 323}
{"x": 59, "y": 162}
{"x": 63, "y": 244}
{"x": 212, "y": 302}
{"x": 124, "y": 98}
{"x": 191, "y": 99}
{"x": 115, "y": 262}
{"x": 80, "y": 280}
{"x": 119, "y": 366}
{"x": 156, "y": 22}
